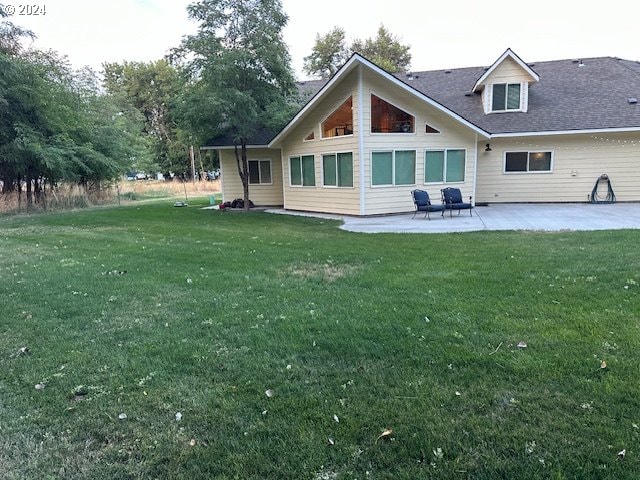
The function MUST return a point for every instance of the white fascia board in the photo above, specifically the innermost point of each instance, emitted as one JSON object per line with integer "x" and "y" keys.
{"x": 424, "y": 97}
{"x": 565, "y": 132}
{"x": 231, "y": 147}
{"x": 508, "y": 53}
{"x": 346, "y": 68}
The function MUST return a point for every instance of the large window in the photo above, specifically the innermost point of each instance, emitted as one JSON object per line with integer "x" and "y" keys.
{"x": 303, "y": 171}
{"x": 259, "y": 172}
{"x": 393, "y": 168}
{"x": 337, "y": 169}
{"x": 387, "y": 118}
{"x": 506, "y": 96}
{"x": 527, "y": 162}
{"x": 340, "y": 122}
{"x": 444, "y": 166}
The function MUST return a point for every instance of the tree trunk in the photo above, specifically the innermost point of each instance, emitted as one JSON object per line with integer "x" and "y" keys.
{"x": 243, "y": 169}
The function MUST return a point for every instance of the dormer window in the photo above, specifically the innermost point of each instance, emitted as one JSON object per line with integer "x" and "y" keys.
{"x": 506, "y": 96}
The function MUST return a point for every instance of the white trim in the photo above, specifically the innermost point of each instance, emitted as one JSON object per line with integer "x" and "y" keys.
{"x": 508, "y": 53}
{"x": 444, "y": 166}
{"x": 475, "y": 171}
{"x": 393, "y": 167}
{"x": 506, "y": 97}
{"x": 335, "y": 155}
{"x": 283, "y": 167}
{"x": 363, "y": 204}
{"x": 346, "y": 68}
{"x": 302, "y": 185}
{"x": 322, "y": 137}
{"x": 528, "y": 152}
{"x": 260, "y": 172}
{"x": 393, "y": 104}
{"x": 565, "y": 132}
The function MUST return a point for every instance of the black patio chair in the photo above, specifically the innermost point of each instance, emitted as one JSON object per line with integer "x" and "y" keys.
{"x": 452, "y": 200}
{"x": 422, "y": 203}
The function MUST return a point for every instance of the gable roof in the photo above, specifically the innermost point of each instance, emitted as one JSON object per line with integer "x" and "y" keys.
{"x": 567, "y": 98}
{"x": 508, "y": 53}
{"x": 354, "y": 61}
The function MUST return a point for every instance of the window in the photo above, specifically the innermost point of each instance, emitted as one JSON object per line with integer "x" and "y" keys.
{"x": 506, "y": 96}
{"x": 430, "y": 129}
{"x": 444, "y": 166}
{"x": 527, "y": 162}
{"x": 393, "y": 168}
{"x": 337, "y": 170}
{"x": 303, "y": 171}
{"x": 259, "y": 172}
{"x": 340, "y": 122}
{"x": 387, "y": 118}
{"x": 311, "y": 136}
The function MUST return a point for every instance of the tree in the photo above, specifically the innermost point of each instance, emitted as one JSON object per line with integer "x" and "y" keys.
{"x": 329, "y": 52}
{"x": 150, "y": 89}
{"x": 385, "y": 51}
{"x": 11, "y": 35}
{"x": 241, "y": 72}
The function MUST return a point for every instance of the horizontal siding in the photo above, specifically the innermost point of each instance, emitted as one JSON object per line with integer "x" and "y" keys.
{"x": 260, "y": 195}
{"x": 394, "y": 199}
{"x": 578, "y": 161}
{"x": 324, "y": 199}
{"x": 508, "y": 72}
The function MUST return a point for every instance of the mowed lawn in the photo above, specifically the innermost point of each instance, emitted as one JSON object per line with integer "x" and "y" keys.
{"x": 250, "y": 346}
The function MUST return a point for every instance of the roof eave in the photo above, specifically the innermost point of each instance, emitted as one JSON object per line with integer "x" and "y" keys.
{"x": 566, "y": 132}
{"x": 355, "y": 60}
{"x": 511, "y": 54}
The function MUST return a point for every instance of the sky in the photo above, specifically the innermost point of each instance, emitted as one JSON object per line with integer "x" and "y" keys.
{"x": 442, "y": 34}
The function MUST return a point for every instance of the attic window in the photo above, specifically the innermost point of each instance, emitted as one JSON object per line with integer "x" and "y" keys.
{"x": 430, "y": 129}
{"x": 311, "y": 136}
{"x": 387, "y": 118}
{"x": 506, "y": 96}
{"x": 339, "y": 122}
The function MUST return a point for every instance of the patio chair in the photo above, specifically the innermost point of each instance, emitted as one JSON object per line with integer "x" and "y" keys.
{"x": 452, "y": 199}
{"x": 422, "y": 203}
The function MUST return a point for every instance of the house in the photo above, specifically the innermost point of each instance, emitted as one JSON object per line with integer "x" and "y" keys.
{"x": 513, "y": 132}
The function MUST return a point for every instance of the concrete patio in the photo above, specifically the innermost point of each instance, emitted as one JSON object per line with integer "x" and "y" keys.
{"x": 534, "y": 217}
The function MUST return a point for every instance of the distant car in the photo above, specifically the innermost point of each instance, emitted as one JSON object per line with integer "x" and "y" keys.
{"x": 142, "y": 176}
{"x": 213, "y": 174}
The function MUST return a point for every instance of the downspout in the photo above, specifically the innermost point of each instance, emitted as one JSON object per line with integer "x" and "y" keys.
{"x": 221, "y": 175}
{"x": 361, "y": 140}
{"x": 285, "y": 183}
{"x": 475, "y": 171}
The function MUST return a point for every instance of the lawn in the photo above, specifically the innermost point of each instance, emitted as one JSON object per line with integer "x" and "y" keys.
{"x": 180, "y": 343}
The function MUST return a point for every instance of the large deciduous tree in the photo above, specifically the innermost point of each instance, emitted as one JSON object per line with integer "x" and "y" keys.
{"x": 329, "y": 52}
{"x": 241, "y": 71}
{"x": 150, "y": 89}
{"x": 385, "y": 50}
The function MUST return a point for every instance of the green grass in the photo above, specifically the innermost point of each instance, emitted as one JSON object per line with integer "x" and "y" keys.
{"x": 416, "y": 333}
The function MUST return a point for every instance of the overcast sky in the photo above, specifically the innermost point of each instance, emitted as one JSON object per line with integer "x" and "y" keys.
{"x": 442, "y": 34}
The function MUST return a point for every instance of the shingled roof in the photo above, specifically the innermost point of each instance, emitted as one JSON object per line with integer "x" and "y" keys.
{"x": 571, "y": 95}
{"x": 567, "y": 97}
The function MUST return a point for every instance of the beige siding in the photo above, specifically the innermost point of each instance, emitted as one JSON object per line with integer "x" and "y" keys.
{"x": 324, "y": 199}
{"x": 260, "y": 195}
{"x": 392, "y": 199}
{"x": 507, "y": 72}
{"x": 578, "y": 160}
